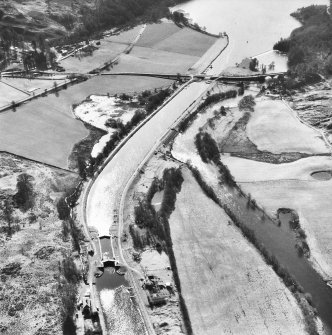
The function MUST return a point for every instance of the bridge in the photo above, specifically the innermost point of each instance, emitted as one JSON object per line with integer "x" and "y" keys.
{"x": 226, "y": 78}
{"x": 107, "y": 254}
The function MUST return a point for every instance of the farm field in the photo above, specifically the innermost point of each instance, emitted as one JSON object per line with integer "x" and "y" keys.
{"x": 227, "y": 290}
{"x": 33, "y": 85}
{"x": 154, "y": 61}
{"x": 125, "y": 36}
{"x": 109, "y": 48}
{"x": 45, "y": 129}
{"x": 186, "y": 41}
{"x": 305, "y": 194}
{"x": 167, "y": 36}
{"x": 81, "y": 63}
{"x": 9, "y": 94}
{"x": 46, "y": 134}
{"x": 275, "y": 128}
{"x": 157, "y": 32}
{"x": 165, "y": 48}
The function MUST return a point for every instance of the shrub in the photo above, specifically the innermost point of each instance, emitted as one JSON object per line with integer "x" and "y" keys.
{"x": 247, "y": 103}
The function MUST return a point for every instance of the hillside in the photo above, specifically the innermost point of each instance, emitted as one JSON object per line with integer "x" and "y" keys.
{"x": 57, "y": 18}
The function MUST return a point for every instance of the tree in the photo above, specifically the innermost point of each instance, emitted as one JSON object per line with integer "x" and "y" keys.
{"x": 253, "y": 64}
{"x": 13, "y": 104}
{"x": 282, "y": 45}
{"x": 207, "y": 147}
{"x": 247, "y": 103}
{"x": 295, "y": 56}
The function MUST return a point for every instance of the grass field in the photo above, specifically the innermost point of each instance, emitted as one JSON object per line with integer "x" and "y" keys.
{"x": 9, "y": 94}
{"x": 154, "y": 33}
{"x": 186, "y": 41}
{"x": 16, "y": 89}
{"x": 275, "y": 128}
{"x": 165, "y": 48}
{"x": 227, "y": 289}
{"x": 291, "y": 186}
{"x": 125, "y": 37}
{"x": 109, "y": 48}
{"x": 261, "y": 171}
{"x": 31, "y": 85}
{"x": 150, "y": 60}
{"x": 44, "y": 133}
{"x": 45, "y": 129}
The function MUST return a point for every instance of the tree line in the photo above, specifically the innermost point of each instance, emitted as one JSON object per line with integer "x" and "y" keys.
{"x": 211, "y": 99}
